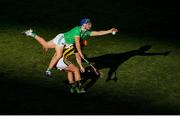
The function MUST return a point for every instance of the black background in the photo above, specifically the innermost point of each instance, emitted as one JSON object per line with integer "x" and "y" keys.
{"x": 154, "y": 17}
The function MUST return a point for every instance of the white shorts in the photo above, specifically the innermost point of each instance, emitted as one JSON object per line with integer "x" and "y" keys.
{"x": 59, "y": 40}
{"x": 61, "y": 64}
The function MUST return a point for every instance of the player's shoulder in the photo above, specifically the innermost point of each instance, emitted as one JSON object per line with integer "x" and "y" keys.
{"x": 77, "y": 28}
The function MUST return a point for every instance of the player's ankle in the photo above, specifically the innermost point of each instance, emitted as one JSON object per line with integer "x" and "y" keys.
{"x": 49, "y": 69}
{"x": 33, "y": 34}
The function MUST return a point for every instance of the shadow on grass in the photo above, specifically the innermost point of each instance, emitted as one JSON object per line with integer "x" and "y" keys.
{"x": 89, "y": 78}
{"x": 52, "y": 98}
{"x": 19, "y": 98}
{"x": 113, "y": 61}
{"x": 27, "y": 98}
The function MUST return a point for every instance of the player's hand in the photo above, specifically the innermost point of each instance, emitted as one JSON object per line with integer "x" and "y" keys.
{"x": 114, "y": 30}
{"x": 82, "y": 69}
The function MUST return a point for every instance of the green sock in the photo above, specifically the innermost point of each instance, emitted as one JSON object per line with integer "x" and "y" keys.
{"x": 79, "y": 85}
{"x": 49, "y": 69}
{"x": 73, "y": 85}
{"x": 33, "y": 35}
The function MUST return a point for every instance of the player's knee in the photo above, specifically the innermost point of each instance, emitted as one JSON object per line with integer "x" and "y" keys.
{"x": 51, "y": 44}
{"x": 73, "y": 68}
{"x": 46, "y": 46}
{"x": 76, "y": 69}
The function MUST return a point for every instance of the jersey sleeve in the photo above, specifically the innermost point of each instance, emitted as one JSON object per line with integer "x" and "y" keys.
{"x": 89, "y": 33}
{"x": 76, "y": 32}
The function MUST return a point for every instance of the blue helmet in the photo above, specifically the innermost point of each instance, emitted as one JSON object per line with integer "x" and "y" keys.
{"x": 85, "y": 21}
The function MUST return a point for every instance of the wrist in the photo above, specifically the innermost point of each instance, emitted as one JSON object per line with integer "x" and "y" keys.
{"x": 81, "y": 67}
{"x": 81, "y": 55}
{"x": 109, "y": 31}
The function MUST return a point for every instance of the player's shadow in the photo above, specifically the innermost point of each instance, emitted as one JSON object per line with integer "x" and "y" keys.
{"x": 113, "y": 61}
{"x": 89, "y": 78}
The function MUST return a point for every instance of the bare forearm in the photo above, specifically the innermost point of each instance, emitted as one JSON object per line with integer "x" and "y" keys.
{"x": 78, "y": 59}
{"x": 78, "y": 47}
{"x": 99, "y": 33}
{"x": 104, "y": 32}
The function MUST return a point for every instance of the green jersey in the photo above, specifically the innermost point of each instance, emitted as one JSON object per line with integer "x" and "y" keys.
{"x": 76, "y": 31}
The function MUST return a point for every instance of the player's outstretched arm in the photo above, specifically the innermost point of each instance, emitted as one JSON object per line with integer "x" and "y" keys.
{"x": 99, "y": 33}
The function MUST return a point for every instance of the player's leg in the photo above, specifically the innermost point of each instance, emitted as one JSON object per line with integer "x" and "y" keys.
{"x": 62, "y": 66}
{"x": 44, "y": 43}
{"x": 76, "y": 71}
{"x": 40, "y": 39}
{"x": 55, "y": 58}
{"x": 73, "y": 68}
{"x": 73, "y": 71}
{"x": 77, "y": 77}
{"x": 71, "y": 82}
{"x": 70, "y": 77}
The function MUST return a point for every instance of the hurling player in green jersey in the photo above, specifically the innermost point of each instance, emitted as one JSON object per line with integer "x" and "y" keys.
{"x": 79, "y": 34}
{"x": 75, "y": 36}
